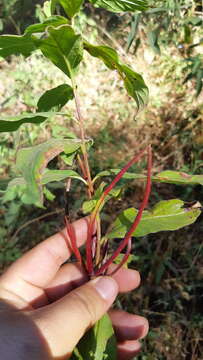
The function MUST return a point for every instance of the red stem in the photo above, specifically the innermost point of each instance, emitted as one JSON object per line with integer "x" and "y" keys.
{"x": 123, "y": 171}
{"x": 136, "y": 221}
{"x": 90, "y": 267}
{"x": 124, "y": 259}
{"x": 71, "y": 235}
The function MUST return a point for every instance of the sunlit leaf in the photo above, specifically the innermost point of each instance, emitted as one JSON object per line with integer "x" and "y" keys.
{"x": 59, "y": 175}
{"x": 15, "y": 45}
{"x": 168, "y": 176}
{"x": 133, "y": 81}
{"x": 121, "y": 5}
{"x": 178, "y": 177}
{"x": 55, "y": 98}
{"x": 51, "y": 21}
{"x": 12, "y": 123}
{"x": 164, "y": 216}
{"x": 48, "y": 194}
{"x": 63, "y": 47}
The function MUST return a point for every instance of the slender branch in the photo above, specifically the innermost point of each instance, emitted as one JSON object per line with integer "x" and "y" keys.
{"x": 72, "y": 237}
{"x": 84, "y": 173}
{"x": 98, "y": 249}
{"x": 124, "y": 259}
{"x": 136, "y": 221}
{"x": 82, "y": 129}
{"x": 89, "y": 260}
{"x": 82, "y": 134}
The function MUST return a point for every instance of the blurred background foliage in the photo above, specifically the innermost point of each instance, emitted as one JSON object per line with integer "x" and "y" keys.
{"x": 165, "y": 44}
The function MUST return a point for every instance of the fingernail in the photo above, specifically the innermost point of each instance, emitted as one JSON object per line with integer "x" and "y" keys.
{"x": 106, "y": 287}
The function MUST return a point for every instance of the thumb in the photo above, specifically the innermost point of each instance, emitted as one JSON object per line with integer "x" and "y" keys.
{"x": 64, "y": 322}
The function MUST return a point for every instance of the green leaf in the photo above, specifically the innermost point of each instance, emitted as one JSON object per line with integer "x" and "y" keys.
{"x": 194, "y": 20}
{"x": 134, "y": 85}
{"x": 59, "y": 175}
{"x": 121, "y": 5}
{"x": 63, "y": 47}
{"x": 18, "y": 186}
{"x": 89, "y": 205}
{"x": 133, "y": 32}
{"x": 51, "y": 21}
{"x": 168, "y": 176}
{"x": 199, "y": 82}
{"x": 164, "y": 216}
{"x": 98, "y": 343}
{"x": 127, "y": 175}
{"x": 133, "y": 82}
{"x": 71, "y": 7}
{"x": 131, "y": 258}
{"x": 153, "y": 37}
{"x": 55, "y": 98}
{"x": 48, "y": 194}
{"x": 32, "y": 161}
{"x": 47, "y": 8}
{"x": 14, "y": 45}
{"x": 12, "y": 123}
{"x": 178, "y": 177}
{"x": 68, "y": 160}
{"x": 156, "y": 10}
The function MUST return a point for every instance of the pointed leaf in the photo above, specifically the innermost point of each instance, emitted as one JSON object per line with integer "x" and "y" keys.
{"x": 121, "y": 5}
{"x": 153, "y": 37}
{"x": 98, "y": 343}
{"x": 55, "y": 98}
{"x": 48, "y": 194}
{"x": 12, "y": 123}
{"x": 134, "y": 85}
{"x": 168, "y": 176}
{"x": 14, "y": 45}
{"x": 133, "y": 32}
{"x": 71, "y": 7}
{"x": 133, "y": 82}
{"x": 178, "y": 177}
{"x": 164, "y": 216}
{"x": 63, "y": 47}
{"x": 47, "y": 8}
{"x": 31, "y": 162}
{"x": 59, "y": 175}
{"x": 127, "y": 175}
{"x": 51, "y": 21}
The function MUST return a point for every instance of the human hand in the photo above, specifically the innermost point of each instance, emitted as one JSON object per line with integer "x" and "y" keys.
{"x": 46, "y": 307}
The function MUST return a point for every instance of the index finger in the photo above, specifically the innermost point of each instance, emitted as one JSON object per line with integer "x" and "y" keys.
{"x": 40, "y": 265}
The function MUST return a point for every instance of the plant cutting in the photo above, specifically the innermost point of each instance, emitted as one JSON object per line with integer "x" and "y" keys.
{"x": 58, "y": 41}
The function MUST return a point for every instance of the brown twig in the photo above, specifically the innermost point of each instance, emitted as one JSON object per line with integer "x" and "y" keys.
{"x": 58, "y": 211}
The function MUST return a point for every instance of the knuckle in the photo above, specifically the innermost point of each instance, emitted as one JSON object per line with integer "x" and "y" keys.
{"x": 87, "y": 305}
